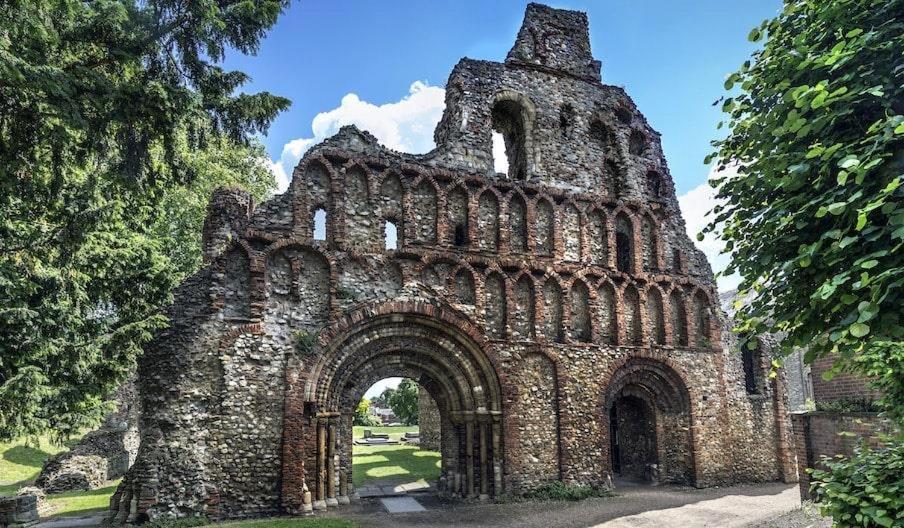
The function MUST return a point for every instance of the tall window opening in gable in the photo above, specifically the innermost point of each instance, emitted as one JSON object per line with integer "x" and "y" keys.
{"x": 509, "y": 120}
{"x": 654, "y": 184}
{"x": 391, "y": 235}
{"x": 320, "y": 224}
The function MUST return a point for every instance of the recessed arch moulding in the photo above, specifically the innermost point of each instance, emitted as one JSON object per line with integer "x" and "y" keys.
{"x": 543, "y": 310}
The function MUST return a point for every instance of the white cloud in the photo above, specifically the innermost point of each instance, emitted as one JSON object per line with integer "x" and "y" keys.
{"x": 694, "y": 206}
{"x": 406, "y": 125}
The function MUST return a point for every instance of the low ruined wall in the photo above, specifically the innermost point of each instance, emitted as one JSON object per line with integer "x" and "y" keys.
{"x": 818, "y": 434}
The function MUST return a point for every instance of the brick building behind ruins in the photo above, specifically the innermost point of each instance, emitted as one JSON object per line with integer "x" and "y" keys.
{"x": 558, "y": 315}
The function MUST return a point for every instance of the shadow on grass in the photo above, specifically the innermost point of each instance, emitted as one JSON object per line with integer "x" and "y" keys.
{"x": 394, "y": 462}
{"x": 26, "y": 456}
{"x": 75, "y": 503}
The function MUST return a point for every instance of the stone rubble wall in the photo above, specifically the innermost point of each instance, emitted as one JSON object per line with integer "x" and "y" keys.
{"x": 527, "y": 304}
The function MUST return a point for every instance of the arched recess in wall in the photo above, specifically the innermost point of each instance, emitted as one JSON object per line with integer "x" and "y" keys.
{"x": 637, "y": 143}
{"x": 464, "y": 287}
{"x": 655, "y": 316}
{"x": 495, "y": 305}
{"x": 624, "y": 243}
{"x": 236, "y": 284}
{"x": 598, "y": 236}
{"x": 654, "y": 184}
{"x": 633, "y": 323}
{"x": 552, "y": 316}
{"x": 649, "y": 411}
{"x": 313, "y": 288}
{"x": 607, "y": 314}
{"x": 603, "y": 138}
{"x": 457, "y": 207}
{"x": 581, "y": 323}
{"x": 359, "y": 227}
{"x": 702, "y": 315}
{"x": 513, "y": 116}
{"x": 279, "y": 285}
{"x": 678, "y": 314}
{"x": 517, "y": 211}
{"x": 488, "y": 221}
{"x": 319, "y": 200}
{"x": 538, "y": 423}
{"x": 571, "y": 232}
{"x": 523, "y": 313}
{"x": 650, "y": 240}
{"x": 614, "y": 178}
{"x": 546, "y": 225}
{"x": 424, "y": 198}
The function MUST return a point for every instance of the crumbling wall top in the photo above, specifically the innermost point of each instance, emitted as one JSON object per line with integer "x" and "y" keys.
{"x": 557, "y": 39}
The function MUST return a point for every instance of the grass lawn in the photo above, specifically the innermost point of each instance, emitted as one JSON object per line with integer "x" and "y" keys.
{"x": 21, "y": 461}
{"x": 400, "y": 461}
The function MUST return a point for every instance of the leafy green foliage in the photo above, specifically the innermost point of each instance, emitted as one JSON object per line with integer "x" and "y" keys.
{"x": 305, "y": 343}
{"x": 883, "y": 363}
{"x": 363, "y": 416}
{"x": 112, "y": 116}
{"x": 183, "y": 522}
{"x": 814, "y": 218}
{"x": 848, "y": 405}
{"x": 864, "y": 490}
{"x": 403, "y": 401}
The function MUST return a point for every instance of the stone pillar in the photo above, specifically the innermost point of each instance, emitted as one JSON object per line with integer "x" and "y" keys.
{"x": 320, "y": 501}
{"x": 331, "y": 475}
{"x": 469, "y": 455}
{"x": 497, "y": 457}
{"x": 484, "y": 464}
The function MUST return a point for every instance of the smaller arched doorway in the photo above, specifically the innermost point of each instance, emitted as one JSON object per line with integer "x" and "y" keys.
{"x": 649, "y": 424}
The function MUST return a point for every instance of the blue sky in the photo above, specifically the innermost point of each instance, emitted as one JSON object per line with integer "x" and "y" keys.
{"x": 382, "y": 65}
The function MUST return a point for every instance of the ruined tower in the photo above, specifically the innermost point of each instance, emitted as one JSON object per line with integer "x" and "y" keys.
{"x": 557, "y": 314}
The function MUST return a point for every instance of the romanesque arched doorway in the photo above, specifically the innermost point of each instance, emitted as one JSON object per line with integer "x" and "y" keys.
{"x": 439, "y": 350}
{"x": 649, "y": 423}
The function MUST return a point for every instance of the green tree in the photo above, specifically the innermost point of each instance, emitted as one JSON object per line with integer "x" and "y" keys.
{"x": 403, "y": 401}
{"x": 104, "y": 106}
{"x": 814, "y": 219}
{"x": 363, "y": 416}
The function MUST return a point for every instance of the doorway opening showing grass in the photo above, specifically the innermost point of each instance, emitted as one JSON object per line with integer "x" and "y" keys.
{"x": 388, "y": 455}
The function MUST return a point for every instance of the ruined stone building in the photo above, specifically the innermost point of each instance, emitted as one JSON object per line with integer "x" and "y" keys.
{"x": 558, "y": 315}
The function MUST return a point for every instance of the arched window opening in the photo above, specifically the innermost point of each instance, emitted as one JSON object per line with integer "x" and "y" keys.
{"x": 510, "y": 121}
{"x": 637, "y": 143}
{"x": 518, "y": 224}
{"x": 676, "y": 260}
{"x": 751, "y": 358}
{"x": 581, "y": 329}
{"x": 624, "y": 244}
{"x": 545, "y": 228}
{"x": 566, "y": 119}
{"x": 390, "y": 235}
{"x": 656, "y": 317}
{"x": 678, "y": 315}
{"x": 458, "y": 216}
{"x": 320, "y": 224}
{"x": 654, "y": 184}
{"x": 623, "y": 115}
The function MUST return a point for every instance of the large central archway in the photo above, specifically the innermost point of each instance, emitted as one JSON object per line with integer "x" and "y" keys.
{"x": 439, "y": 349}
